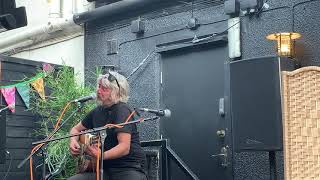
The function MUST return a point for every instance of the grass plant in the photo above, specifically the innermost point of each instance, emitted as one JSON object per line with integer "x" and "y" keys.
{"x": 61, "y": 87}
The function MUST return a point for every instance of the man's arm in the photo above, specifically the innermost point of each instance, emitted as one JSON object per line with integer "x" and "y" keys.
{"x": 74, "y": 145}
{"x": 122, "y": 149}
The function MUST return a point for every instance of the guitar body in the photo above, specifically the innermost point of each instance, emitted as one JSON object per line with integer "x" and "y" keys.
{"x": 86, "y": 165}
{"x": 85, "y": 162}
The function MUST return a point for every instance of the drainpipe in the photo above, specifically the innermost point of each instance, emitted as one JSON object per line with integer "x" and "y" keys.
{"x": 31, "y": 35}
{"x": 43, "y": 32}
{"x": 80, "y": 6}
{"x": 67, "y": 8}
{"x": 123, "y": 9}
{"x": 234, "y": 41}
{"x": 71, "y": 7}
{"x": 54, "y": 8}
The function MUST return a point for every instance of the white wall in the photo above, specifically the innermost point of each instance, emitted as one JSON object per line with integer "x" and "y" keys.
{"x": 69, "y": 52}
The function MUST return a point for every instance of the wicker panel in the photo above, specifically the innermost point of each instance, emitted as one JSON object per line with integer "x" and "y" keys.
{"x": 301, "y": 123}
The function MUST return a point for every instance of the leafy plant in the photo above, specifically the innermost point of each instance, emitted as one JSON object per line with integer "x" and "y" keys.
{"x": 61, "y": 88}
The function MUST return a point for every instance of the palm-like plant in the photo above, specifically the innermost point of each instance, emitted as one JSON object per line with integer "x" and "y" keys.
{"x": 61, "y": 87}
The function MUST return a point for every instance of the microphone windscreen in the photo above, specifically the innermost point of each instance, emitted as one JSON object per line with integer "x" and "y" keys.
{"x": 167, "y": 113}
{"x": 94, "y": 96}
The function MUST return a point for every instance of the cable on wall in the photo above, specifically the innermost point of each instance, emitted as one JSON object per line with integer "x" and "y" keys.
{"x": 140, "y": 64}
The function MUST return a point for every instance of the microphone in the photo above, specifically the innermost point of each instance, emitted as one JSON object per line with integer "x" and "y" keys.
{"x": 92, "y": 96}
{"x": 165, "y": 113}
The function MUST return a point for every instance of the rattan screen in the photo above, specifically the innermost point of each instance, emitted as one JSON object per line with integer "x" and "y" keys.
{"x": 301, "y": 123}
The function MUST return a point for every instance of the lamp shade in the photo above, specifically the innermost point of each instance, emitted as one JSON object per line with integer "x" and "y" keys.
{"x": 284, "y": 42}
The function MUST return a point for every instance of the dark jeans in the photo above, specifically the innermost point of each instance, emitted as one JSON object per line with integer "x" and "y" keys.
{"x": 113, "y": 174}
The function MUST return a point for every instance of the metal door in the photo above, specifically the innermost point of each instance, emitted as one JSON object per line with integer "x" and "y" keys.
{"x": 193, "y": 86}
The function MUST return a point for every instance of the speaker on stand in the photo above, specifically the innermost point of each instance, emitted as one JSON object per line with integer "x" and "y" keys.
{"x": 255, "y": 92}
{"x": 256, "y": 103}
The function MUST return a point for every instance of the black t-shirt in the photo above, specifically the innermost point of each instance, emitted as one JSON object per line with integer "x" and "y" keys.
{"x": 117, "y": 113}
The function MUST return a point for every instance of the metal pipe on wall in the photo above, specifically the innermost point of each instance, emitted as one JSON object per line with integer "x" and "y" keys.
{"x": 43, "y": 32}
{"x": 67, "y": 8}
{"x": 54, "y": 9}
{"x": 234, "y": 37}
{"x": 123, "y": 9}
{"x": 37, "y": 32}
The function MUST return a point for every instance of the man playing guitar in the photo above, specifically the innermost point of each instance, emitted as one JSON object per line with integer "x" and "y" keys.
{"x": 124, "y": 158}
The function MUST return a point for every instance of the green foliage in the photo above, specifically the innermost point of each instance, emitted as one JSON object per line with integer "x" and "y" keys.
{"x": 61, "y": 87}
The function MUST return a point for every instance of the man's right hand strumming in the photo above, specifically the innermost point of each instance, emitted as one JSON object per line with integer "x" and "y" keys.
{"x": 74, "y": 147}
{"x": 74, "y": 144}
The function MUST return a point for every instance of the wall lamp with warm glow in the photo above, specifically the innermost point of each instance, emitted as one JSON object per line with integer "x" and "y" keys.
{"x": 284, "y": 42}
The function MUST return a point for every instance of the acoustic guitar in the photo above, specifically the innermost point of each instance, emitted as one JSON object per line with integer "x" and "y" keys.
{"x": 85, "y": 162}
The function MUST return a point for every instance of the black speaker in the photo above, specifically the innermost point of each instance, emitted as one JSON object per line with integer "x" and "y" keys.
{"x": 255, "y": 92}
{"x": 2, "y": 136}
{"x": 10, "y": 16}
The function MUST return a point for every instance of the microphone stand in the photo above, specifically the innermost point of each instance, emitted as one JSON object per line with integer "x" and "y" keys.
{"x": 103, "y": 134}
{"x": 79, "y": 107}
{"x": 5, "y": 108}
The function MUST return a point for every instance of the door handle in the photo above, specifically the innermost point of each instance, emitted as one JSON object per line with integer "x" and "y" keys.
{"x": 221, "y": 133}
{"x": 223, "y": 155}
{"x": 221, "y": 107}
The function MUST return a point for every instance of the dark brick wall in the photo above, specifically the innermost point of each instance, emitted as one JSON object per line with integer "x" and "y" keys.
{"x": 169, "y": 24}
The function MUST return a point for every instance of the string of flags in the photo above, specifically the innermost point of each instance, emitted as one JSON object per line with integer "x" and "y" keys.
{"x": 23, "y": 88}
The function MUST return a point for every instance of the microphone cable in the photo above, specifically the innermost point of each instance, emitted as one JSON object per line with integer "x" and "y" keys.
{"x": 9, "y": 168}
{"x": 98, "y": 160}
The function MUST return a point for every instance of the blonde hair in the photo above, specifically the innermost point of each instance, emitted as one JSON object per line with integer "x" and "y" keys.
{"x": 118, "y": 93}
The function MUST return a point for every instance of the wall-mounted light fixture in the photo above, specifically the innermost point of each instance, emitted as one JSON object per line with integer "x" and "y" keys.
{"x": 284, "y": 42}
{"x": 138, "y": 26}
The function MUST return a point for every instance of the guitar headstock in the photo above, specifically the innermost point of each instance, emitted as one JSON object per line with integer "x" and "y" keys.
{"x": 94, "y": 139}
{"x": 88, "y": 139}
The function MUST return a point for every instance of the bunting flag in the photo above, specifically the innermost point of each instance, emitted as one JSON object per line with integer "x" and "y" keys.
{"x": 24, "y": 91}
{"x": 47, "y": 68}
{"x": 39, "y": 87}
{"x": 9, "y": 95}
{"x": 40, "y": 75}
